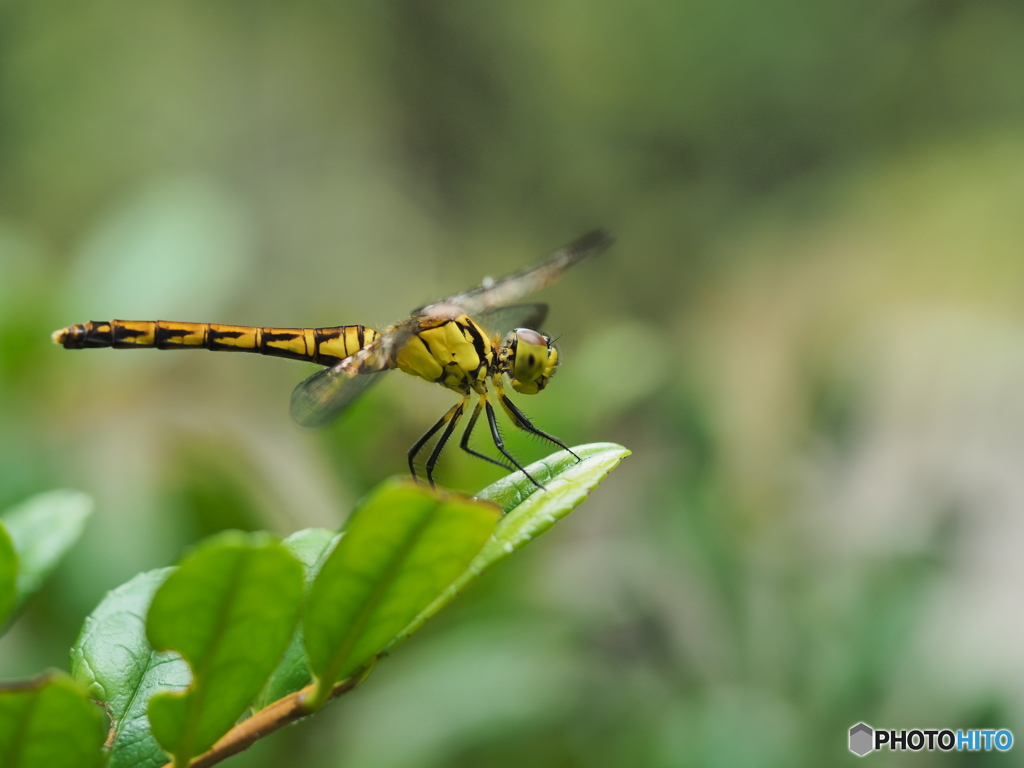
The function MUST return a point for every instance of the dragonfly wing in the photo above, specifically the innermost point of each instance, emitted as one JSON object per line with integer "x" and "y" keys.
{"x": 326, "y": 393}
{"x": 506, "y": 290}
{"x": 503, "y": 319}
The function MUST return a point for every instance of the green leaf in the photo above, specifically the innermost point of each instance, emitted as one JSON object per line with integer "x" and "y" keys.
{"x": 8, "y": 575}
{"x": 311, "y": 546}
{"x": 49, "y": 722}
{"x": 229, "y": 609}
{"x": 401, "y": 547}
{"x": 114, "y": 660}
{"x": 42, "y": 530}
{"x": 529, "y": 511}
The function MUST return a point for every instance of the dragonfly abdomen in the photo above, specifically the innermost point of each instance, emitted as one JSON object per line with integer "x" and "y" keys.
{"x": 325, "y": 346}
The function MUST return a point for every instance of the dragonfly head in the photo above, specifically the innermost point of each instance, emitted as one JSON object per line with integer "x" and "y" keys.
{"x": 529, "y": 358}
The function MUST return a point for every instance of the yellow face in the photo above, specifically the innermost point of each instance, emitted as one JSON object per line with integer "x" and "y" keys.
{"x": 531, "y": 360}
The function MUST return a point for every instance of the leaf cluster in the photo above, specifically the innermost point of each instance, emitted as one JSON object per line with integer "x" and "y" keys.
{"x": 196, "y": 662}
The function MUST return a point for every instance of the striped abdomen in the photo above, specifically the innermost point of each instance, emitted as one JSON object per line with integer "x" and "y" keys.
{"x": 325, "y": 346}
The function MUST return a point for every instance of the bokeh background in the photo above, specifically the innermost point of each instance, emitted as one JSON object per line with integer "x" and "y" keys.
{"x": 810, "y": 333}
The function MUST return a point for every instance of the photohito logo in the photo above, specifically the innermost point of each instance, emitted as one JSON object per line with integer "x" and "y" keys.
{"x": 865, "y": 739}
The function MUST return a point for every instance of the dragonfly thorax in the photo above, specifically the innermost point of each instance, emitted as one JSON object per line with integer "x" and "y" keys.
{"x": 454, "y": 352}
{"x": 529, "y": 360}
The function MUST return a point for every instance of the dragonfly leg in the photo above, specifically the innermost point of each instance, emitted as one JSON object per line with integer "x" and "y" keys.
{"x": 418, "y": 445}
{"x": 453, "y": 417}
{"x": 520, "y": 420}
{"x": 464, "y": 444}
{"x": 500, "y": 444}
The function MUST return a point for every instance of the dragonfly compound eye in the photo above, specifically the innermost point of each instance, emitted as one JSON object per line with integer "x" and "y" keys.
{"x": 532, "y": 362}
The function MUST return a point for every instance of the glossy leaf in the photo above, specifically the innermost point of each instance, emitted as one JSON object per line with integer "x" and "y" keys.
{"x": 529, "y": 511}
{"x": 113, "y": 659}
{"x": 8, "y": 575}
{"x": 230, "y": 610}
{"x": 49, "y": 722}
{"x": 42, "y": 530}
{"x": 401, "y": 547}
{"x": 311, "y": 546}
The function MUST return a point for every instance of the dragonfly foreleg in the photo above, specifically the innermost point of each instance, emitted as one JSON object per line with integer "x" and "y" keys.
{"x": 519, "y": 419}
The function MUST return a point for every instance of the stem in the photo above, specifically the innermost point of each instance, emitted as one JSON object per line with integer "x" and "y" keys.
{"x": 269, "y": 719}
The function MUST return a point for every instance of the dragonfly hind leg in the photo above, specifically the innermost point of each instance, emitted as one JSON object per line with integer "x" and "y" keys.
{"x": 436, "y": 453}
{"x": 451, "y": 418}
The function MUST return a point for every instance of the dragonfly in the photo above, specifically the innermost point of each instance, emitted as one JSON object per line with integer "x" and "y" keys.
{"x": 469, "y": 342}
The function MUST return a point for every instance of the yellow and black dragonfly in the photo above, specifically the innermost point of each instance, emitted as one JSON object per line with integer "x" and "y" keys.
{"x": 462, "y": 342}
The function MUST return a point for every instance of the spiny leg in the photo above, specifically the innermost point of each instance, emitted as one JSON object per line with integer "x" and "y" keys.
{"x": 436, "y": 453}
{"x": 500, "y": 444}
{"x": 519, "y": 419}
{"x": 464, "y": 444}
{"x": 418, "y": 445}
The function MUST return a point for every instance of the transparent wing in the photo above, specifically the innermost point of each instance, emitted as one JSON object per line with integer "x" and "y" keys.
{"x": 498, "y": 293}
{"x": 504, "y": 319}
{"x": 326, "y": 393}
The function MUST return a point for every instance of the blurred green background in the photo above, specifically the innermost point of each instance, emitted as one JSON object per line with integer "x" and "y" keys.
{"x": 810, "y": 333}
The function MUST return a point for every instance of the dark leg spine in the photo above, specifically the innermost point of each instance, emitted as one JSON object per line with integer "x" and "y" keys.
{"x": 519, "y": 419}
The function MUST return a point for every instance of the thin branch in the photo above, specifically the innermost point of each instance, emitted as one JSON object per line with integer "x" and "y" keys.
{"x": 269, "y": 719}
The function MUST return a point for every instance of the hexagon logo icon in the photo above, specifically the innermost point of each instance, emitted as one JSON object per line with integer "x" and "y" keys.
{"x": 862, "y": 738}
